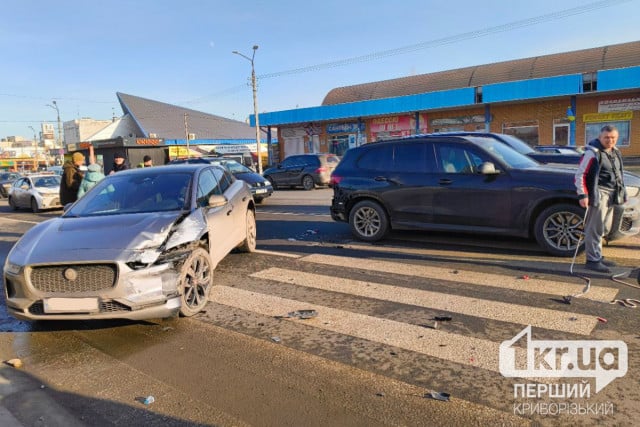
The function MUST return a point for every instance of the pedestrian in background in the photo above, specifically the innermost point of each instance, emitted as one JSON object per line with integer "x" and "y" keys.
{"x": 146, "y": 162}
{"x": 600, "y": 186}
{"x": 92, "y": 177}
{"x": 71, "y": 178}
{"x": 119, "y": 162}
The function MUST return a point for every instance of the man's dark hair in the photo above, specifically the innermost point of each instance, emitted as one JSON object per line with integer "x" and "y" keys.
{"x": 608, "y": 128}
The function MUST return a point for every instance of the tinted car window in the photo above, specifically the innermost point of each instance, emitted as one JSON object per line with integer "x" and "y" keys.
{"x": 207, "y": 186}
{"x": 410, "y": 158}
{"x": 455, "y": 159}
{"x": 377, "y": 158}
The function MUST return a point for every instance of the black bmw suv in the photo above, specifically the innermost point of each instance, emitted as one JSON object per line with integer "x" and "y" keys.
{"x": 465, "y": 183}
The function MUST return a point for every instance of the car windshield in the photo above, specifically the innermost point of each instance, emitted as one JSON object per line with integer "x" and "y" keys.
{"x": 517, "y": 144}
{"x": 52, "y": 181}
{"x": 232, "y": 166}
{"x": 134, "y": 193}
{"x": 507, "y": 155}
{"x": 9, "y": 176}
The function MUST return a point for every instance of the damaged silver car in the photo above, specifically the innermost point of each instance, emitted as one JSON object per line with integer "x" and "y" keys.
{"x": 143, "y": 243}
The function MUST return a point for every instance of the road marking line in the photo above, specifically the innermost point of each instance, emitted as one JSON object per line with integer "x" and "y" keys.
{"x": 275, "y": 253}
{"x": 432, "y": 342}
{"x": 597, "y": 293}
{"x": 19, "y": 220}
{"x": 494, "y": 310}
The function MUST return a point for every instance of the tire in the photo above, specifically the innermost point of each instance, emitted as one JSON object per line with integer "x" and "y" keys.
{"x": 12, "y": 203}
{"x": 196, "y": 280}
{"x": 308, "y": 183}
{"x": 273, "y": 183}
{"x": 368, "y": 221}
{"x": 249, "y": 243}
{"x": 34, "y": 205}
{"x": 558, "y": 229}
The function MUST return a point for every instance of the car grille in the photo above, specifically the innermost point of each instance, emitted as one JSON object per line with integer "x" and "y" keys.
{"x": 90, "y": 278}
{"x": 37, "y": 308}
{"x": 626, "y": 224}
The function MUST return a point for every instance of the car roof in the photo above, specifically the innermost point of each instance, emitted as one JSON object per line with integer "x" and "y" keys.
{"x": 175, "y": 167}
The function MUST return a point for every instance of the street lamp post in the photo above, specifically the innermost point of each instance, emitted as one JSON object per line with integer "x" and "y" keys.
{"x": 255, "y": 104}
{"x": 55, "y": 107}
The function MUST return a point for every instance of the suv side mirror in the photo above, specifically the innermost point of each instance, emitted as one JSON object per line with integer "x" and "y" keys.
{"x": 488, "y": 168}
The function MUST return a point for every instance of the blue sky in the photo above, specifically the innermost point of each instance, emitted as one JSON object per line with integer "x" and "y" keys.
{"x": 80, "y": 53}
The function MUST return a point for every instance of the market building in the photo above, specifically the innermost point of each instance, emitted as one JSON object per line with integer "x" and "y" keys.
{"x": 559, "y": 99}
{"x": 165, "y": 131}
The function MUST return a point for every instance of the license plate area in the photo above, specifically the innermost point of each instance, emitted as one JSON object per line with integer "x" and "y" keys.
{"x": 71, "y": 305}
{"x": 261, "y": 191}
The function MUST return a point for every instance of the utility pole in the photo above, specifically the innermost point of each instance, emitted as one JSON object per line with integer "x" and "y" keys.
{"x": 35, "y": 142}
{"x": 186, "y": 134}
{"x": 255, "y": 104}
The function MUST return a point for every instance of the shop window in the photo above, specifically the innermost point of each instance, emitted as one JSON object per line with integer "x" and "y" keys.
{"x": 479, "y": 95}
{"x": 592, "y": 131}
{"x": 589, "y": 82}
{"x": 526, "y": 131}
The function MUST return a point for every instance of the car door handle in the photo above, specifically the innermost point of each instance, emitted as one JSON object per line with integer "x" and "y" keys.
{"x": 445, "y": 181}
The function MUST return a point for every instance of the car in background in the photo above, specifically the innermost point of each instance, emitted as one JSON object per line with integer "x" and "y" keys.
{"x": 465, "y": 183}
{"x": 6, "y": 179}
{"x": 570, "y": 158}
{"x": 35, "y": 192}
{"x": 559, "y": 149}
{"x": 58, "y": 170}
{"x": 303, "y": 170}
{"x": 260, "y": 187}
{"x": 141, "y": 244}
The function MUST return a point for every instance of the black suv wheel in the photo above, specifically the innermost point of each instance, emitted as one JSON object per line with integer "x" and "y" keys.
{"x": 368, "y": 221}
{"x": 558, "y": 229}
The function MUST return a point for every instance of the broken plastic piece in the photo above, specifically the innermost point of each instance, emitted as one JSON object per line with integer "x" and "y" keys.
{"x": 525, "y": 277}
{"x": 149, "y": 400}
{"x": 602, "y": 319}
{"x": 573, "y": 319}
{"x": 16, "y": 363}
{"x": 438, "y": 396}
{"x": 275, "y": 339}
{"x": 442, "y": 318}
{"x": 303, "y": 314}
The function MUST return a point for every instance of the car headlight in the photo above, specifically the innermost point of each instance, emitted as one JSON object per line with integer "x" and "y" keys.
{"x": 267, "y": 182}
{"x": 12, "y": 268}
{"x": 633, "y": 191}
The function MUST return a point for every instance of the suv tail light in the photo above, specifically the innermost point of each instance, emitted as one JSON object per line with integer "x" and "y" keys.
{"x": 321, "y": 169}
{"x": 335, "y": 180}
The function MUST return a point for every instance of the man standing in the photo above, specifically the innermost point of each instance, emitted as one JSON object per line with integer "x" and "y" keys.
{"x": 600, "y": 186}
{"x": 71, "y": 179}
{"x": 147, "y": 162}
{"x": 119, "y": 162}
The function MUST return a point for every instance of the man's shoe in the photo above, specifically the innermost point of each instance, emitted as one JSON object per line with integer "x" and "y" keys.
{"x": 597, "y": 266}
{"x": 608, "y": 263}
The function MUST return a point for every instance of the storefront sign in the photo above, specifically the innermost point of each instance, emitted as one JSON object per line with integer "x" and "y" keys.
{"x": 396, "y": 126}
{"x": 625, "y": 104}
{"x": 607, "y": 117}
{"x": 345, "y": 127}
{"x": 147, "y": 141}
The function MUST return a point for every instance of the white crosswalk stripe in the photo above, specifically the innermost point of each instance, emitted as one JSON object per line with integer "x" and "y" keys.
{"x": 513, "y": 313}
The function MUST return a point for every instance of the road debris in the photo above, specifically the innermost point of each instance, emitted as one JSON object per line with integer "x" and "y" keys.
{"x": 303, "y": 314}
{"x": 525, "y": 277}
{"x": 443, "y": 318}
{"x": 438, "y": 396}
{"x": 275, "y": 339}
{"x": 148, "y": 400}
{"x": 602, "y": 319}
{"x": 16, "y": 363}
{"x": 381, "y": 394}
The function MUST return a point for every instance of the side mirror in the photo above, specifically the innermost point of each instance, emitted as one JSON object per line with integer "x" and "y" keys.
{"x": 216, "y": 200}
{"x": 488, "y": 168}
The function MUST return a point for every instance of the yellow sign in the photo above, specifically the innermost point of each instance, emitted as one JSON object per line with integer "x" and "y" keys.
{"x": 615, "y": 116}
{"x": 181, "y": 151}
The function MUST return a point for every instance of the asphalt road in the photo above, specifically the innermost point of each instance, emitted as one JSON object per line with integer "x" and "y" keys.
{"x": 369, "y": 356}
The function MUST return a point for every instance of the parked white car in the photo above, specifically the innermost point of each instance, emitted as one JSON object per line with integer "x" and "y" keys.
{"x": 35, "y": 192}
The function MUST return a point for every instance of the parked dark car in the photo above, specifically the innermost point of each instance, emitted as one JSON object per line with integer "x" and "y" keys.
{"x": 6, "y": 179}
{"x": 260, "y": 187}
{"x": 571, "y": 158}
{"x": 559, "y": 149}
{"x": 472, "y": 183}
{"x": 303, "y": 170}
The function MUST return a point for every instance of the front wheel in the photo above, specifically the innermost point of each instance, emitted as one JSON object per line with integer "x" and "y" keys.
{"x": 308, "y": 183}
{"x": 12, "y": 203}
{"x": 368, "y": 221}
{"x": 558, "y": 229}
{"x": 196, "y": 280}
